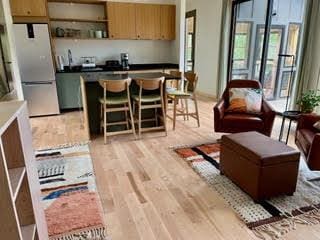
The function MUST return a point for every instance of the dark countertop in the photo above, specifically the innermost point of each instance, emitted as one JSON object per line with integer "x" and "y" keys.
{"x": 92, "y": 78}
{"x": 132, "y": 67}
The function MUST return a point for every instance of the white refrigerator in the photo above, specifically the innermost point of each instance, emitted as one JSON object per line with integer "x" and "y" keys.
{"x": 36, "y": 68}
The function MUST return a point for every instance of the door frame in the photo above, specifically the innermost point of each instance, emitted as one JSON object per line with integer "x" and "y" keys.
{"x": 278, "y": 79}
{"x": 189, "y": 14}
{"x": 265, "y": 42}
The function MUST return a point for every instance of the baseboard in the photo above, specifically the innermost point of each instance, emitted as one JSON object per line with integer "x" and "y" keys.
{"x": 207, "y": 95}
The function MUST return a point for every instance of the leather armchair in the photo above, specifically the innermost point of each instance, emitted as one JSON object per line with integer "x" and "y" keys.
{"x": 242, "y": 122}
{"x": 308, "y": 139}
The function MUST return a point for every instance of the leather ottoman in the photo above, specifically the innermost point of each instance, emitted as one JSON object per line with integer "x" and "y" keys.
{"x": 259, "y": 165}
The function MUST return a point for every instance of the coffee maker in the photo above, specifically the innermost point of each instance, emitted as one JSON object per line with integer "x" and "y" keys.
{"x": 125, "y": 61}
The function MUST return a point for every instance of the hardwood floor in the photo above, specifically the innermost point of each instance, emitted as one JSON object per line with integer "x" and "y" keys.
{"x": 147, "y": 191}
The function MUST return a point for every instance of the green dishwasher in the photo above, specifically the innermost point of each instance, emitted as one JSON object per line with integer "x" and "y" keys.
{"x": 69, "y": 91}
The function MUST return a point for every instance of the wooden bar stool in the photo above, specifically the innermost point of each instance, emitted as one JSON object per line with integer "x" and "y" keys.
{"x": 188, "y": 93}
{"x": 117, "y": 102}
{"x": 172, "y": 85}
{"x": 150, "y": 101}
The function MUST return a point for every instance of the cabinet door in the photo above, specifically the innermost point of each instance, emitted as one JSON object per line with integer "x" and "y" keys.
{"x": 28, "y": 8}
{"x": 68, "y": 88}
{"x": 122, "y": 20}
{"x": 168, "y": 22}
{"x": 148, "y": 21}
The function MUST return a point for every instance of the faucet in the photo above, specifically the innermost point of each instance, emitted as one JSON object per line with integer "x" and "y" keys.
{"x": 70, "y": 59}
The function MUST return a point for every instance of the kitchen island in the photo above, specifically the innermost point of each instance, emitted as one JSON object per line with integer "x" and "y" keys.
{"x": 91, "y": 91}
{"x": 68, "y": 84}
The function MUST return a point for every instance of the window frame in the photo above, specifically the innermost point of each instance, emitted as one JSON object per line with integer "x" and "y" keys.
{"x": 284, "y": 72}
{"x": 298, "y": 44}
{"x": 247, "y": 48}
{"x": 190, "y": 14}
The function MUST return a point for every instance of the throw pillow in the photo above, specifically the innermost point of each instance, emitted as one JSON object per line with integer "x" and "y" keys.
{"x": 317, "y": 125}
{"x": 245, "y": 100}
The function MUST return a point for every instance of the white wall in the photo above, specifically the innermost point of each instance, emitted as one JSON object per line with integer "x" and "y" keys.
{"x": 140, "y": 51}
{"x": 208, "y": 27}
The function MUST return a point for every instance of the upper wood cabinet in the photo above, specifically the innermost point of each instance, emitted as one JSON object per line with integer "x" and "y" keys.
{"x": 141, "y": 21}
{"x": 28, "y": 8}
{"x": 148, "y": 21}
{"x": 122, "y": 20}
{"x": 168, "y": 22}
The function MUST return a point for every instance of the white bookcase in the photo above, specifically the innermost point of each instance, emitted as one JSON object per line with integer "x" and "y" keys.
{"x": 22, "y": 216}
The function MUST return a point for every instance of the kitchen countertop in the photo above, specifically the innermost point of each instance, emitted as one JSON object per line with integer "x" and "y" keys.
{"x": 106, "y": 76}
{"x": 132, "y": 67}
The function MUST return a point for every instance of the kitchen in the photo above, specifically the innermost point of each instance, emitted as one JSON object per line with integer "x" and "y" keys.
{"x": 88, "y": 38}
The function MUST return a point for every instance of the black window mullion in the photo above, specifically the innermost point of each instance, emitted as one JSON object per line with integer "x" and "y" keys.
{"x": 266, "y": 42}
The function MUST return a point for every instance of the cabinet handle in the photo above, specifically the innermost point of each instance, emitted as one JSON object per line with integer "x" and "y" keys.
{"x": 28, "y": 12}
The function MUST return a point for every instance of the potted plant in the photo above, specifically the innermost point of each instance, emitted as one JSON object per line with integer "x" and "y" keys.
{"x": 309, "y": 101}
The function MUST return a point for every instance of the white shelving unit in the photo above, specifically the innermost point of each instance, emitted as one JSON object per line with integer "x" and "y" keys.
{"x": 22, "y": 216}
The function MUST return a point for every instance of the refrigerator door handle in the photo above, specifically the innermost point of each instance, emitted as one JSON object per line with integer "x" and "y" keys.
{"x": 37, "y": 83}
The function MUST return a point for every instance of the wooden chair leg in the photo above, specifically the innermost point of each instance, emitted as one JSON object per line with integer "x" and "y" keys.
{"x": 166, "y": 102}
{"x": 127, "y": 119}
{"x": 187, "y": 108}
{"x": 164, "y": 115}
{"x": 105, "y": 122}
{"x": 175, "y": 102}
{"x": 101, "y": 118}
{"x": 197, "y": 110}
{"x": 182, "y": 108}
{"x": 156, "y": 115}
{"x": 132, "y": 121}
{"x": 139, "y": 121}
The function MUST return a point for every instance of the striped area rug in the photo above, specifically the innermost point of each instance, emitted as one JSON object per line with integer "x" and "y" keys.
{"x": 269, "y": 219}
{"x": 69, "y": 196}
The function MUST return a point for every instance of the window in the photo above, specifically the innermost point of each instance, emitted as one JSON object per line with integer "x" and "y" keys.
{"x": 285, "y": 82}
{"x": 293, "y": 42}
{"x": 241, "y": 45}
{"x": 190, "y": 41}
{"x": 240, "y": 76}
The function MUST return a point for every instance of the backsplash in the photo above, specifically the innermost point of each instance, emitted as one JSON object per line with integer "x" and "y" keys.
{"x": 139, "y": 51}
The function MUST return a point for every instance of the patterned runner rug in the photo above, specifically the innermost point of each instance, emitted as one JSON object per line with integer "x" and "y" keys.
{"x": 269, "y": 219}
{"x": 72, "y": 205}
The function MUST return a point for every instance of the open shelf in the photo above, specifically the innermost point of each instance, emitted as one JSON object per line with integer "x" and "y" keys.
{"x": 78, "y": 20}
{"x": 12, "y": 147}
{"x": 23, "y": 204}
{"x": 28, "y": 232}
{"x": 16, "y": 176}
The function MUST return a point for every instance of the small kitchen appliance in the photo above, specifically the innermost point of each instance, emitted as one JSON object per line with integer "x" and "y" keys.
{"x": 60, "y": 63}
{"x": 125, "y": 61}
{"x": 89, "y": 62}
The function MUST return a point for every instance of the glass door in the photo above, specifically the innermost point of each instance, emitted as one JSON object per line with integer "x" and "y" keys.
{"x": 247, "y": 15}
{"x": 286, "y": 26}
{"x": 272, "y": 63}
{"x": 190, "y": 41}
{"x": 265, "y": 45}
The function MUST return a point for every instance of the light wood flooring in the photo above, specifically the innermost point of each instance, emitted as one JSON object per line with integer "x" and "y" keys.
{"x": 147, "y": 191}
